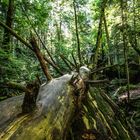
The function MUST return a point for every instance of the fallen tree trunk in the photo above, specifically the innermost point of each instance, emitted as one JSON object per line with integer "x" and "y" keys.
{"x": 52, "y": 117}
{"x": 58, "y": 115}
{"x": 40, "y": 58}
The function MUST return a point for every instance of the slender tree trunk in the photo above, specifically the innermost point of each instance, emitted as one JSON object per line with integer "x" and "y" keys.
{"x": 99, "y": 36}
{"x": 77, "y": 32}
{"x": 58, "y": 31}
{"x": 9, "y": 21}
{"x": 124, "y": 35}
{"x": 67, "y": 64}
{"x": 135, "y": 36}
{"x": 40, "y": 58}
{"x": 74, "y": 60}
{"x": 107, "y": 36}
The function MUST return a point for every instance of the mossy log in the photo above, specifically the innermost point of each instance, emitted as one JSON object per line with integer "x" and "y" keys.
{"x": 59, "y": 116}
{"x": 101, "y": 119}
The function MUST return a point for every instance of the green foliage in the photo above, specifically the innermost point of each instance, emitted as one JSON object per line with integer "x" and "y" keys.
{"x": 54, "y": 23}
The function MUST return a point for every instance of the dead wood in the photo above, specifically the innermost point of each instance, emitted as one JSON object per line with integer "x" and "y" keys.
{"x": 29, "y": 46}
{"x": 97, "y": 81}
{"x": 76, "y": 64}
{"x": 53, "y": 65}
{"x": 16, "y": 86}
{"x": 68, "y": 60}
{"x": 29, "y": 102}
{"x": 16, "y": 35}
{"x": 67, "y": 64}
{"x": 40, "y": 58}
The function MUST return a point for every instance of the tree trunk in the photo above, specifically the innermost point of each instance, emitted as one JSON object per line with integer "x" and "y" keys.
{"x": 107, "y": 36}
{"x": 125, "y": 44}
{"x": 65, "y": 113}
{"x": 98, "y": 41}
{"x": 77, "y": 32}
{"x": 40, "y": 58}
{"x": 9, "y": 21}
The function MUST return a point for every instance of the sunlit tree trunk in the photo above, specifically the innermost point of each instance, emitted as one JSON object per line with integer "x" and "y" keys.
{"x": 125, "y": 43}
{"x": 9, "y": 21}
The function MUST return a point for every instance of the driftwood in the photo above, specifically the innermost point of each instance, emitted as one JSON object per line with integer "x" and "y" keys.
{"x": 66, "y": 112}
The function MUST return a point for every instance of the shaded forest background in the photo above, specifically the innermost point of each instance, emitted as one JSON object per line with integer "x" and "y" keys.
{"x": 96, "y": 33}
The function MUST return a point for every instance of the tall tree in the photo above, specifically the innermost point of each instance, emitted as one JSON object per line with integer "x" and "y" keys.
{"x": 99, "y": 35}
{"x": 9, "y": 21}
{"x": 107, "y": 35}
{"x": 77, "y": 32}
{"x": 125, "y": 42}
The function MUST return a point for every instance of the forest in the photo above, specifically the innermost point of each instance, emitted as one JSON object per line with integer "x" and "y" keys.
{"x": 69, "y": 70}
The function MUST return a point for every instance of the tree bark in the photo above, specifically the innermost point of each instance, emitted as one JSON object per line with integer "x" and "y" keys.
{"x": 99, "y": 35}
{"x": 77, "y": 32}
{"x": 16, "y": 35}
{"x": 107, "y": 36}
{"x": 59, "y": 116}
{"x": 67, "y": 64}
{"x": 29, "y": 46}
{"x": 40, "y": 58}
{"x": 125, "y": 43}
{"x": 9, "y": 21}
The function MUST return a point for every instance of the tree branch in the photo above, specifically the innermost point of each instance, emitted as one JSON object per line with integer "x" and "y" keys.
{"x": 16, "y": 35}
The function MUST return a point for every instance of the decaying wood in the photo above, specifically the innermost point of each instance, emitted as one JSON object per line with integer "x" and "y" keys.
{"x": 68, "y": 61}
{"x": 40, "y": 58}
{"x": 97, "y": 81}
{"x": 29, "y": 46}
{"x": 16, "y": 86}
{"x": 67, "y": 64}
{"x": 59, "y": 117}
{"x": 64, "y": 111}
{"x": 100, "y": 119}
{"x": 9, "y": 109}
{"x": 76, "y": 64}
{"x": 16, "y": 35}
{"x": 53, "y": 65}
{"x": 51, "y": 119}
{"x": 29, "y": 102}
